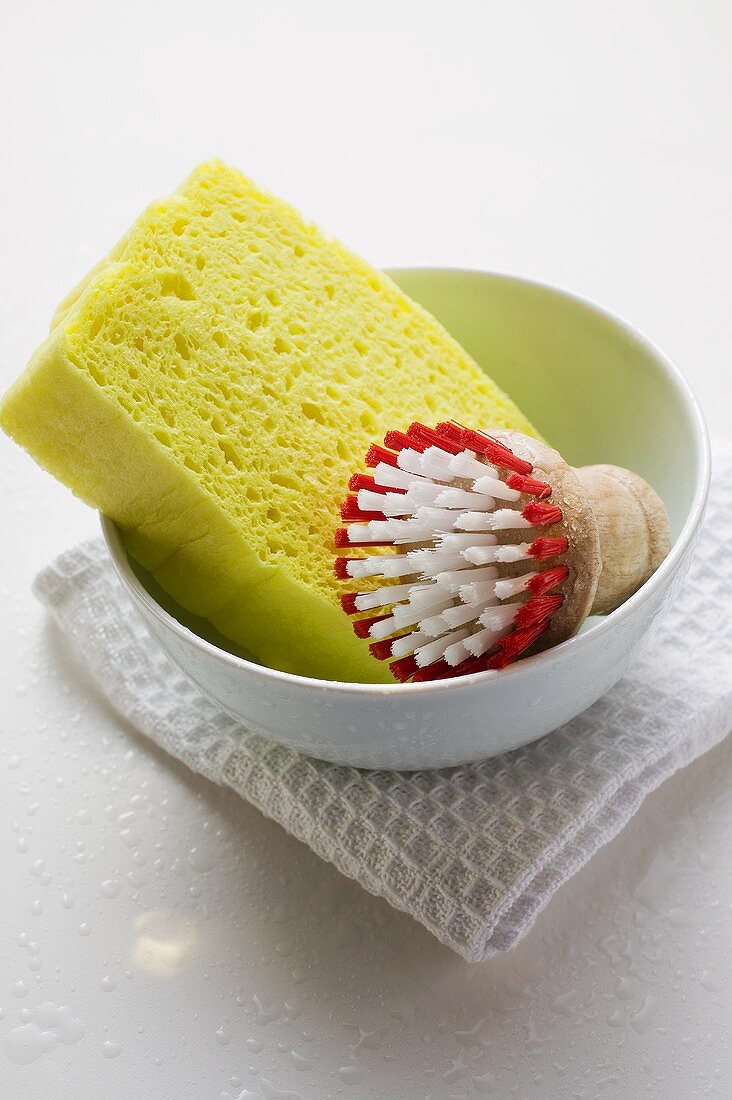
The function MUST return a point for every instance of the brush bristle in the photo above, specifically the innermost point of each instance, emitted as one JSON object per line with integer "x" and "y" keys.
{"x": 472, "y": 592}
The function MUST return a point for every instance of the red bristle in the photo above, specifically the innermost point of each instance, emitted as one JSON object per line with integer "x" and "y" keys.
{"x": 340, "y": 538}
{"x": 550, "y": 578}
{"x": 438, "y": 670}
{"x": 421, "y": 437}
{"x": 543, "y": 548}
{"x": 351, "y": 513}
{"x": 542, "y": 514}
{"x": 340, "y": 566}
{"x": 381, "y": 650}
{"x": 348, "y": 603}
{"x": 529, "y": 485}
{"x": 377, "y": 454}
{"x": 398, "y": 441}
{"x": 404, "y": 668}
{"x": 470, "y": 664}
{"x": 452, "y": 431}
{"x": 495, "y": 452}
{"x": 361, "y": 627}
{"x": 366, "y": 481}
{"x": 537, "y": 610}
{"x": 514, "y": 644}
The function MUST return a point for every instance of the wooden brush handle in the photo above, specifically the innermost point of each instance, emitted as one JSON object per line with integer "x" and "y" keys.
{"x": 633, "y": 528}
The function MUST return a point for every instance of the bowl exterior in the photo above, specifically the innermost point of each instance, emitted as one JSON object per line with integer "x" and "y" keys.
{"x": 483, "y": 716}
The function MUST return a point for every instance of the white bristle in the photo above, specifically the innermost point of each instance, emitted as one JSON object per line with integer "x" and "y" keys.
{"x": 433, "y": 651}
{"x": 423, "y": 493}
{"x": 383, "y": 565}
{"x": 466, "y": 465}
{"x": 400, "y": 647}
{"x": 458, "y": 616}
{"x": 368, "y": 501}
{"x": 462, "y": 498}
{"x": 517, "y": 552}
{"x": 512, "y": 586}
{"x": 483, "y": 592}
{"x": 456, "y": 654}
{"x": 382, "y": 629}
{"x": 451, "y": 579}
{"x": 392, "y": 477}
{"x": 474, "y": 521}
{"x": 503, "y": 519}
{"x": 481, "y": 555}
{"x": 431, "y": 562}
{"x": 494, "y": 487}
{"x": 410, "y": 460}
{"x": 406, "y": 615}
{"x": 436, "y": 464}
{"x": 434, "y": 626}
{"x": 402, "y": 531}
{"x": 464, "y": 542}
{"x": 382, "y": 597}
{"x": 478, "y": 644}
{"x": 498, "y": 618}
{"x": 439, "y": 519}
{"x": 424, "y": 595}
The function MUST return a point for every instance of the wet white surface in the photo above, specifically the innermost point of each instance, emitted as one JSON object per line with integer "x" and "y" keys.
{"x": 159, "y": 938}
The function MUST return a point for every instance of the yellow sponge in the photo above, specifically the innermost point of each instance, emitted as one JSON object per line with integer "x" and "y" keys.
{"x": 211, "y": 386}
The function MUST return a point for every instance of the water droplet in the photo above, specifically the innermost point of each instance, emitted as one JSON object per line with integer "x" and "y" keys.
{"x": 84, "y": 928}
{"x": 623, "y": 989}
{"x": 84, "y": 817}
{"x": 111, "y": 1049}
{"x": 643, "y": 1019}
{"x": 351, "y": 1075}
{"x": 711, "y": 982}
{"x": 45, "y": 1027}
{"x": 36, "y": 907}
{"x": 368, "y": 1040}
{"x": 21, "y": 844}
{"x": 485, "y": 1082}
{"x": 254, "y": 1046}
{"x": 202, "y": 858}
{"x": 110, "y": 888}
{"x": 223, "y": 1035}
{"x": 108, "y": 983}
{"x": 20, "y": 989}
{"x": 264, "y": 1015}
{"x": 299, "y": 1061}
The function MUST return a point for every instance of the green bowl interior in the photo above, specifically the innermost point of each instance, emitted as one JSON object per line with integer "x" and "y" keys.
{"x": 594, "y": 388}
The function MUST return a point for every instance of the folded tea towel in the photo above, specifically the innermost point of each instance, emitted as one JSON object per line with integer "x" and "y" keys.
{"x": 474, "y": 853}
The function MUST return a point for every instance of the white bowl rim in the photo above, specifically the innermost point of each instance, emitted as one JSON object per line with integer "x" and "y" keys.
{"x": 520, "y": 668}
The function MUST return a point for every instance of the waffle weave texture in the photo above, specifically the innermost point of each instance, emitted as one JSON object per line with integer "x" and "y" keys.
{"x": 473, "y": 853}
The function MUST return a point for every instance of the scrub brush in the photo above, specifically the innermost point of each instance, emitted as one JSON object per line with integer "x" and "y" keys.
{"x": 499, "y": 549}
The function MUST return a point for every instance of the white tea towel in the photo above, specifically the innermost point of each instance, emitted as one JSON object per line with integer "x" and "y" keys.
{"x": 474, "y": 853}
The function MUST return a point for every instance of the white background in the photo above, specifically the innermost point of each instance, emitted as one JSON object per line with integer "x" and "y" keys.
{"x": 208, "y": 956}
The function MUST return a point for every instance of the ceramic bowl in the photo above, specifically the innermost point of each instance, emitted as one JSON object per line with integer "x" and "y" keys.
{"x": 600, "y": 392}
